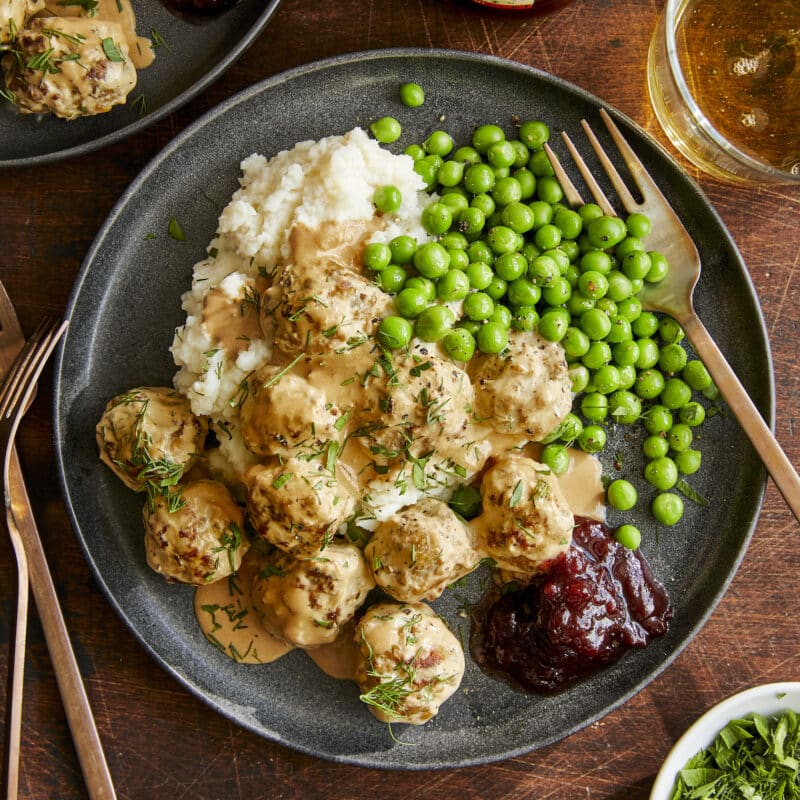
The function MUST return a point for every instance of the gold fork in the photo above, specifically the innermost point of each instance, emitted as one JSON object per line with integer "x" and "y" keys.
{"x": 673, "y": 295}
{"x": 15, "y": 396}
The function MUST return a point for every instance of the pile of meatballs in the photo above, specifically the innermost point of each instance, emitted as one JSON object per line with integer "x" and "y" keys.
{"x": 296, "y": 508}
{"x": 65, "y": 65}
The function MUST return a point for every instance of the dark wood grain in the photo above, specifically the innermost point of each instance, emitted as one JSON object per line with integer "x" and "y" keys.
{"x": 160, "y": 741}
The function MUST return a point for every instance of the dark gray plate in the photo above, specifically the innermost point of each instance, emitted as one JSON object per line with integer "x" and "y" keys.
{"x": 196, "y": 52}
{"x": 126, "y": 304}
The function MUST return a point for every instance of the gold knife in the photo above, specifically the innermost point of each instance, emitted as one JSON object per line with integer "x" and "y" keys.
{"x": 70, "y": 683}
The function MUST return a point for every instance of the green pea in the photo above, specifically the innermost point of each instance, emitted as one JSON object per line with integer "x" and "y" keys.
{"x": 450, "y": 173}
{"x": 630, "y": 308}
{"x": 458, "y": 258}
{"x": 486, "y": 135}
{"x": 479, "y": 178}
{"x": 658, "y": 419}
{"x": 593, "y": 284}
{"x": 506, "y": 190}
{"x": 425, "y": 286}
{"x": 629, "y": 536}
{"x": 454, "y": 197}
{"x": 696, "y": 375}
{"x": 478, "y": 306}
{"x": 502, "y": 239}
{"x": 575, "y": 342}
{"x": 649, "y": 384}
{"x": 439, "y": 143}
{"x": 467, "y": 155}
{"x": 595, "y": 261}
{"x": 394, "y": 332}
{"x": 680, "y": 437}
{"x": 553, "y": 324}
{"x": 479, "y": 275}
{"x": 659, "y": 267}
{"x": 542, "y": 213}
{"x": 648, "y": 353}
{"x": 693, "y": 414}
{"x": 620, "y": 329}
{"x": 501, "y": 315}
{"x": 534, "y": 133}
{"x": 672, "y": 358}
{"x": 638, "y": 225}
{"x": 391, "y": 279}
{"x": 627, "y": 376}
{"x": 646, "y": 325}
{"x": 485, "y": 203}
{"x": 557, "y": 292}
{"x": 522, "y": 292}
{"x": 606, "y": 231}
{"x": 592, "y": 439}
{"x": 527, "y": 182}
{"x": 597, "y": 356}
{"x": 492, "y": 338}
{"x": 452, "y": 286}
{"x": 386, "y": 130}
{"x": 403, "y": 249}
{"x": 655, "y": 446}
{"x": 625, "y": 407}
{"x": 622, "y": 495}
{"x": 606, "y": 379}
{"x": 411, "y": 302}
{"x": 437, "y": 218}
{"x": 497, "y": 288}
{"x": 521, "y": 153}
{"x": 630, "y": 244}
{"x": 501, "y": 154}
{"x": 569, "y": 222}
{"x": 547, "y": 237}
{"x": 387, "y": 199}
{"x": 428, "y": 169}
{"x": 377, "y": 256}
{"x": 667, "y": 508}
{"x": 517, "y": 216}
{"x": 431, "y": 260}
{"x": 579, "y": 377}
{"x": 549, "y": 189}
{"x": 578, "y": 303}
{"x": 594, "y": 406}
{"x": 620, "y": 286}
{"x": 510, "y": 266}
{"x": 412, "y": 95}
{"x": 636, "y": 265}
{"x": 470, "y": 221}
{"x": 661, "y": 473}
{"x": 459, "y": 344}
{"x": 676, "y": 394}
{"x": 688, "y": 461}
{"x": 595, "y": 323}
{"x": 670, "y": 331}
{"x": 415, "y": 151}
{"x": 589, "y": 211}
{"x": 525, "y": 318}
{"x": 434, "y": 322}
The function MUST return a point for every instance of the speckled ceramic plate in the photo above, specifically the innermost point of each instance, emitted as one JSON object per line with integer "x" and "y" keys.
{"x": 126, "y": 304}
{"x": 193, "y": 52}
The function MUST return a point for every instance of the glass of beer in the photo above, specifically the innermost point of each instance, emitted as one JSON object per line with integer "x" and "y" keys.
{"x": 724, "y": 81}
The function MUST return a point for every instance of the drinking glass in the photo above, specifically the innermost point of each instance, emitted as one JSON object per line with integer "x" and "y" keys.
{"x": 724, "y": 81}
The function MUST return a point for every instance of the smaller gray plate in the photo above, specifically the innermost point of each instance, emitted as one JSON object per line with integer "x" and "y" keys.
{"x": 126, "y": 304}
{"x": 196, "y": 50}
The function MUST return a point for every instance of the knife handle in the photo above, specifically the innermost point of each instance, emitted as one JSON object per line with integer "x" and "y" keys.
{"x": 70, "y": 683}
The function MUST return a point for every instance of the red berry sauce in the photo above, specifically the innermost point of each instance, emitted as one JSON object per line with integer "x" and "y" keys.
{"x": 598, "y": 600}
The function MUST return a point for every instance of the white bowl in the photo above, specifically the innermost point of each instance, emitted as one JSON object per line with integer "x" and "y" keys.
{"x": 768, "y": 700}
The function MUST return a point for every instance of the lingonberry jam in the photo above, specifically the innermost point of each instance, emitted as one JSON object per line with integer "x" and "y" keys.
{"x": 598, "y": 600}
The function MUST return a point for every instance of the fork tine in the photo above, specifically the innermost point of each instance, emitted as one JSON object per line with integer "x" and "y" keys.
{"x": 628, "y": 202}
{"x": 16, "y": 398}
{"x": 568, "y": 187}
{"x": 16, "y": 373}
{"x": 640, "y": 175}
{"x": 586, "y": 174}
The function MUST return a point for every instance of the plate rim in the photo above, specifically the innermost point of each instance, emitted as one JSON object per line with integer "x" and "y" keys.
{"x": 172, "y": 105}
{"x": 367, "y": 759}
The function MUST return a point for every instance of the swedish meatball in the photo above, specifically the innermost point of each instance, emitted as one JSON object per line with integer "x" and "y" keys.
{"x": 72, "y": 67}
{"x": 284, "y": 412}
{"x": 13, "y": 14}
{"x": 420, "y": 550}
{"x": 307, "y": 601}
{"x": 525, "y": 521}
{"x": 149, "y": 437}
{"x": 526, "y": 391}
{"x": 408, "y": 663}
{"x": 201, "y": 540}
{"x": 297, "y": 505}
{"x": 419, "y": 404}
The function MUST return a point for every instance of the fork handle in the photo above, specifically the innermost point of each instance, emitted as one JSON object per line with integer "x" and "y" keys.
{"x": 763, "y": 440}
{"x": 70, "y": 684}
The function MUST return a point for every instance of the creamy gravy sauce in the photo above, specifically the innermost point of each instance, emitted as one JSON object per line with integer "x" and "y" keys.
{"x": 224, "y": 609}
{"x": 140, "y": 48}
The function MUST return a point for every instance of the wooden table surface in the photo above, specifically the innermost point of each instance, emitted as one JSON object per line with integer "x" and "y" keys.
{"x": 161, "y": 742}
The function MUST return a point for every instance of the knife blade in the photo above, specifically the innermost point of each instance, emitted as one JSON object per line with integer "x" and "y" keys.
{"x": 70, "y": 683}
